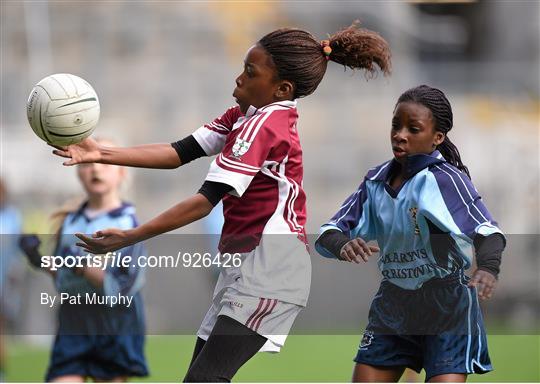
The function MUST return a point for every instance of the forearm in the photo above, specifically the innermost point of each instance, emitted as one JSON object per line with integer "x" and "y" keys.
{"x": 331, "y": 242}
{"x": 184, "y": 213}
{"x": 489, "y": 251}
{"x": 161, "y": 156}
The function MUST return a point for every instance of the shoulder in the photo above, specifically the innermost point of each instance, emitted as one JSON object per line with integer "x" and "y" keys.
{"x": 225, "y": 122}
{"x": 233, "y": 113}
{"x": 449, "y": 178}
{"x": 123, "y": 216}
{"x": 279, "y": 117}
{"x": 377, "y": 172}
{"x": 268, "y": 126}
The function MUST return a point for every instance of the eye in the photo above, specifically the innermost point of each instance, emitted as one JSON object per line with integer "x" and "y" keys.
{"x": 249, "y": 71}
{"x": 414, "y": 130}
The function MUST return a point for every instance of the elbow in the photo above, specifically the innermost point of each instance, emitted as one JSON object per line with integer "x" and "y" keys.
{"x": 174, "y": 163}
{"x": 204, "y": 207}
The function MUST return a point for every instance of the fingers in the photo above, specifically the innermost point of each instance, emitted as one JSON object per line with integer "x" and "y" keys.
{"x": 374, "y": 248}
{"x": 61, "y": 153}
{"x": 357, "y": 250}
{"x": 88, "y": 243}
{"x": 484, "y": 282}
{"x": 347, "y": 254}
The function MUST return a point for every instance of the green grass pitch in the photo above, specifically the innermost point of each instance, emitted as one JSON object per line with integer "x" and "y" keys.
{"x": 316, "y": 358}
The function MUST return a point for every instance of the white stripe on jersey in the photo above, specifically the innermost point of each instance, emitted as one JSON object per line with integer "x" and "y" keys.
{"x": 459, "y": 193}
{"x": 467, "y": 189}
{"x": 246, "y": 135}
{"x": 380, "y": 170}
{"x": 252, "y": 135}
{"x": 219, "y": 127}
{"x": 286, "y": 189}
{"x": 237, "y": 165}
{"x": 292, "y": 213}
{"x": 248, "y": 125}
{"x": 257, "y": 121}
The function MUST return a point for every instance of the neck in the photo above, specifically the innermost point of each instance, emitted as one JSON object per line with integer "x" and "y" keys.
{"x": 104, "y": 202}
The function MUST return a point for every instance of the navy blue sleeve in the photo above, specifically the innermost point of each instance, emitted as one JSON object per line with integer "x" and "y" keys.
{"x": 455, "y": 206}
{"x": 352, "y": 219}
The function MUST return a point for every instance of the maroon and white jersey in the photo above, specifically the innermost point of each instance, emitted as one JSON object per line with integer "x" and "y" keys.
{"x": 260, "y": 157}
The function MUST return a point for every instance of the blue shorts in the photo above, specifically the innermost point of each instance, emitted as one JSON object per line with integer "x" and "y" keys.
{"x": 438, "y": 327}
{"x": 100, "y": 357}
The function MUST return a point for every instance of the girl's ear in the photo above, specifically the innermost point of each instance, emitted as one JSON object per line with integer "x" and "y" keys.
{"x": 285, "y": 90}
{"x": 439, "y": 138}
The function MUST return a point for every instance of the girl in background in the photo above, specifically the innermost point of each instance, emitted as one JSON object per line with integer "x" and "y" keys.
{"x": 100, "y": 342}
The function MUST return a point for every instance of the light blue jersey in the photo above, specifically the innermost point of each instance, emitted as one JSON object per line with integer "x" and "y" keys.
{"x": 95, "y": 340}
{"x": 10, "y": 229}
{"x": 126, "y": 281}
{"x": 425, "y": 229}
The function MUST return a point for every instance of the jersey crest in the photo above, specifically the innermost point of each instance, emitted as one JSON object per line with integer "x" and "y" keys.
{"x": 240, "y": 147}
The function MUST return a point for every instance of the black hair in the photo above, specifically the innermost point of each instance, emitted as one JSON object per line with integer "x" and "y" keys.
{"x": 435, "y": 100}
{"x": 300, "y": 58}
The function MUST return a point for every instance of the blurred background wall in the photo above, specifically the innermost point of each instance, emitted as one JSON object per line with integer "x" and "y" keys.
{"x": 162, "y": 69}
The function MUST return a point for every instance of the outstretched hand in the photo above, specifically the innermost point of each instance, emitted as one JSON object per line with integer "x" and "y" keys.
{"x": 107, "y": 240}
{"x": 484, "y": 282}
{"x": 356, "y": 250}
{"x": 87, "y": 151}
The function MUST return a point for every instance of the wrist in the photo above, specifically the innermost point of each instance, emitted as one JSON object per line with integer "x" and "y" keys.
{"x": 133, "y": 235}
{"x": 101, "y": 154}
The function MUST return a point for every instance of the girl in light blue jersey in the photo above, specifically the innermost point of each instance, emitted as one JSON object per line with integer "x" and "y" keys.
{"x": 96, "y": 339}
{"x": 427, "y": 218}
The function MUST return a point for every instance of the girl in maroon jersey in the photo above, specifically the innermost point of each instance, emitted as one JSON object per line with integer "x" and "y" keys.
{"x": 258, "y": 174}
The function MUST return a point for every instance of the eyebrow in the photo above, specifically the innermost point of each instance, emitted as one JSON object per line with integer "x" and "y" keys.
{"x": 417, "y": 121}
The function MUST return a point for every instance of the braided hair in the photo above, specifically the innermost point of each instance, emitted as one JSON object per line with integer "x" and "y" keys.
{"x": 435, "y": 100}
{"x": 302, "y": 59}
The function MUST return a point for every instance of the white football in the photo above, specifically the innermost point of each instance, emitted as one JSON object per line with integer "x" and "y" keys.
{"x": 63, "y": 109}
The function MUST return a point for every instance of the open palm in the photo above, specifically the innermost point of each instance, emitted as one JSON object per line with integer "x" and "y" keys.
{"x": 87, "y": 151}
{"x": 107, "y": 240}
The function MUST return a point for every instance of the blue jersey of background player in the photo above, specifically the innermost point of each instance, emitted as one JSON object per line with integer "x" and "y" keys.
{"x": 97, "y": 339}
{"x": 427, "y": 218}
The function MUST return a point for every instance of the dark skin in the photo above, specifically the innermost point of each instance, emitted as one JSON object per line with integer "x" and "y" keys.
{"x": 413, "y": 132}
{"x": 258, "y": 85}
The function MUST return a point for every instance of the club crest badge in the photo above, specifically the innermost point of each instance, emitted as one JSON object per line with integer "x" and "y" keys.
{"x": 367, "y": 338}
{"x": 240, "y": 147}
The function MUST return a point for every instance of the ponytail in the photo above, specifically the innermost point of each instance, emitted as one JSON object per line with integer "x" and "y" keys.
{"x": 302, "y": 59}
{"x": 451, "y": 154}
{"x": 360, "y": 48}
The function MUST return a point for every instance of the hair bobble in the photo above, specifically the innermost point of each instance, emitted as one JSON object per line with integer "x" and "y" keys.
{"x": 327, "y": 50}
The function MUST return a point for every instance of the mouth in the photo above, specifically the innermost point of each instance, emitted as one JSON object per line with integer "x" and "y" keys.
{"x": 398, "y": 151}
{"x": 96, "y": 180}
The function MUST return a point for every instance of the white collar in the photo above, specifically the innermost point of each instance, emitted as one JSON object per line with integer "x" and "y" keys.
{"x": 255, "y": 111}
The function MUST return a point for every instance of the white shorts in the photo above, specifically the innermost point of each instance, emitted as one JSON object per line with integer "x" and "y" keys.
{"x": 270, "y": 318}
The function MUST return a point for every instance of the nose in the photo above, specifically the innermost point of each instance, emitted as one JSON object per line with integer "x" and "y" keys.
{"x": 238, "y": 81}
{"x": 399, "y": 135}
